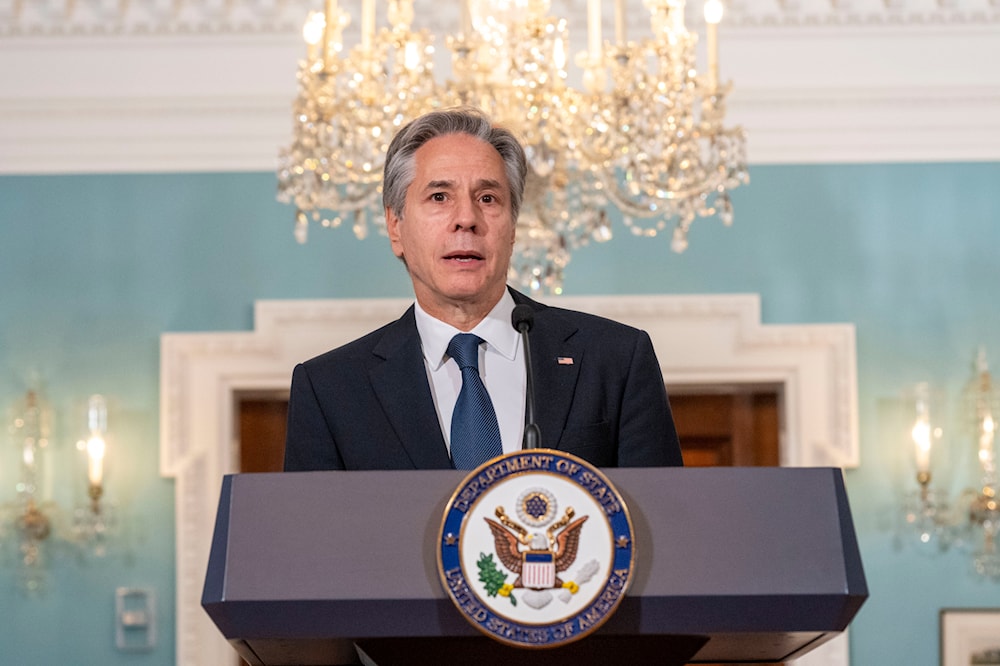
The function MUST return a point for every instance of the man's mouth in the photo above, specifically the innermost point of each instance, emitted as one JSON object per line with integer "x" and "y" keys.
{"x": 464, "y": 257}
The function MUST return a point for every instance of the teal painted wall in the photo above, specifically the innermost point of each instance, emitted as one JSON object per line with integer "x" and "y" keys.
{"x": 93, "y": 269}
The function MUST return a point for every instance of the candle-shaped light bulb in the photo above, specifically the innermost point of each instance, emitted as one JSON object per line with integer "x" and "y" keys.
{"x": 312, "y": 33}
{"x": 95, "y": 460}
{"x": 411, "y": 56}
{"x": 921, "y": 434}
{"x": 312, "y": 30}
{"x": 28, "y": 457}
{"x": 97, "y": 424}
{"x": 713, "y": 11}
{"x": 559, "y": 54}
{"x": 987, "y": 431}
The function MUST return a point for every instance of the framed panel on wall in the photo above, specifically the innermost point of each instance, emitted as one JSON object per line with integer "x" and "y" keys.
{"x": 970, "y": 636}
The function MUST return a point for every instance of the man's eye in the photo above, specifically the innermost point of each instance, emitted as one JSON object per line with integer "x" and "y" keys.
{"x": 488, "y": 198}
{"x": 438, "y": 196}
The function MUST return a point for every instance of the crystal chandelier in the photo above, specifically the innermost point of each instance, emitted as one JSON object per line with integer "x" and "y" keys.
{"x": 642, "y": 132}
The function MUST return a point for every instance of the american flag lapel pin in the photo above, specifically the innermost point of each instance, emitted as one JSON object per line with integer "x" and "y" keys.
{"x": 564, "y": 360}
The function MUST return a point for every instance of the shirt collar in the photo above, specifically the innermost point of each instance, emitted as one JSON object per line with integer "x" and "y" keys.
{"x": 495, "y": 329}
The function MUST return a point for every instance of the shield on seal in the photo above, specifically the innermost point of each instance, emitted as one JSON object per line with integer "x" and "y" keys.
{"x": 538, "y": 569}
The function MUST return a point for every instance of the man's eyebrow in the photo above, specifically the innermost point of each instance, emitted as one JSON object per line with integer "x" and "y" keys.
{"x": 485, "y": 183}
{"x": 488, "y": 183}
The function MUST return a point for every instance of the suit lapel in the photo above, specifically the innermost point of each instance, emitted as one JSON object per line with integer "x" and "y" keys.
{"x": 400, "y": 382}
{"x": 556, "y": 360}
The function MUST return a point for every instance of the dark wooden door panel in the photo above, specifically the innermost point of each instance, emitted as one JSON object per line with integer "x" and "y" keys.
{"x": 732, "y": 429}
{"x": 262, "y": 434}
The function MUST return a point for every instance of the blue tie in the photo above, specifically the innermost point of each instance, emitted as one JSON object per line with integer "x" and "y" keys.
{"x": 475, "y": 435}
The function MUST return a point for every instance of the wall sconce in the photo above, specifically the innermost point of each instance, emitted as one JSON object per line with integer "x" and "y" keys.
{"x": 35, "y": 519}
{"x": 972, "y": 521}
{"x": 980, "y": 410}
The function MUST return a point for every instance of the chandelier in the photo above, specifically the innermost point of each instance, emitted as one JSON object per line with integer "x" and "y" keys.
{"x": 641, "y": 132}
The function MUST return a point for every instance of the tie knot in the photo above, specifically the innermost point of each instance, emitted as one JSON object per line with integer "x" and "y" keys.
{"x": 464, "y": 348}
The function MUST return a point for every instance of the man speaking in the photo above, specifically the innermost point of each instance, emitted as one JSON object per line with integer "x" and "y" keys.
{"x": 446, "y": 384}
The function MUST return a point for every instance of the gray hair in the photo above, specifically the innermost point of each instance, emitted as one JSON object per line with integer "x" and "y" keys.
{"x": 400, "y": 168}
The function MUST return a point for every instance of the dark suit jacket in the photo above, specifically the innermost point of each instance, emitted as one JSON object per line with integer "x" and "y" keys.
{"x": 368, "y": 404}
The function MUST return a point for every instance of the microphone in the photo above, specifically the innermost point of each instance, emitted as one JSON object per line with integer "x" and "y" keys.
{"x": 522, "y": 318}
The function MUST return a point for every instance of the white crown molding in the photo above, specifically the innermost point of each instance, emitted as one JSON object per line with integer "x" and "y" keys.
{"x": 852, "y": 125}
{"x": 143, "y": 134}
{"x": 73, "y": 18}
{"x": 206, "y": 85}
{"x": 67, "y": 18}
{"x": 700, "y": 340}
{"x": 860, "y": 13}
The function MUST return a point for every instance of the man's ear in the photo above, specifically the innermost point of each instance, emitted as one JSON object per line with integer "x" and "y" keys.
{"x": 392, "y": 228}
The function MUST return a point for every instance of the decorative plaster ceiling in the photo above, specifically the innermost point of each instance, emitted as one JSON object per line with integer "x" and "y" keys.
{"x": 206, "y": 85}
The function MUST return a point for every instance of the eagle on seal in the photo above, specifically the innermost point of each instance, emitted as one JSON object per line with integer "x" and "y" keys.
{"x": 561, "y": 550}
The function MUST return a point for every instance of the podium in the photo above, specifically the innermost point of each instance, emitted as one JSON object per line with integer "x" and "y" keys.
{"x": 731, "y": 565}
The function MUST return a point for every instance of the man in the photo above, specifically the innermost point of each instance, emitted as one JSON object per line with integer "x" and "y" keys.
{"x": 452, "y": 190}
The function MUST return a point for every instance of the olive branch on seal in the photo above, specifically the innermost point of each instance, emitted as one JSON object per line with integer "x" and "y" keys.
{"x": 493, "y": 578}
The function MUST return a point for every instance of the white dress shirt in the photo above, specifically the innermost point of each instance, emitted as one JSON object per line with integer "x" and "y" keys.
{"x": 500, "y": 365}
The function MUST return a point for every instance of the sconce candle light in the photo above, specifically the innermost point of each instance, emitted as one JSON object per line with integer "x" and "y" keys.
{"x": 95, "y": 446}
{"x": 93, "y": 522}
{"x": 921, "y": 434}
{"x": 925, "y": 509}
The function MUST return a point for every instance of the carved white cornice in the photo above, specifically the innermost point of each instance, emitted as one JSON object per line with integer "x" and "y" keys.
{"x": 92, "y": 86}
{"x": 856, "y": 13}
{"x": 63, "y": 18}
{"x": 73, "y": 18}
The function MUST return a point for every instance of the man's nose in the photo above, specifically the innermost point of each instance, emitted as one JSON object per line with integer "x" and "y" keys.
{"x": 467, "y": 216}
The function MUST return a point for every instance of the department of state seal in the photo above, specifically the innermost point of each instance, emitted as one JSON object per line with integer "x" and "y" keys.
{"x": 536, "y": 548}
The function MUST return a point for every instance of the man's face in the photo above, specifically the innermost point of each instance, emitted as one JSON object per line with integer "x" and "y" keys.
{"x": 456, "y": 234}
